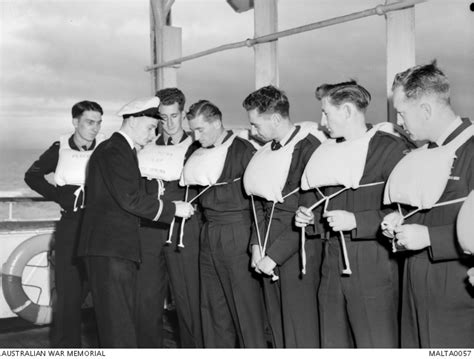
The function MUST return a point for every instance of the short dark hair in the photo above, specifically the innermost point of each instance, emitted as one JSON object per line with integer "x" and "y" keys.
{"x": 349, "y": 91}
{"x": 207, "y": 109}
{"x": 170, "y": 95}
{"x": 79, "y": 108}
{"x": 422, "y": 80}
{"x": 268, "y": 99}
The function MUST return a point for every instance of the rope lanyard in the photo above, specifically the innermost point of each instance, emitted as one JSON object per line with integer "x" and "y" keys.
{"x": 263, "y": 247}
{"x": 409, "y": 214}
{"x": 77, "y": 193}
{"x": 325, "y": 199}
{"x": 181, "y": 232}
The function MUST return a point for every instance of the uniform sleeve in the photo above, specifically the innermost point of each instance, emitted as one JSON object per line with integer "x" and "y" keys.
{"x": 444, "y": 244}
{"x": 368, "y": 221}
{"x": 35, "y": 175}
{"x": 443, "y": 239}
{"x": 259, "y": 223}
{"x": 308, "y": 199}
{"x": 256, "y": 207}
{"x": 150, "y": 186}
{"x": 129, "y": 192}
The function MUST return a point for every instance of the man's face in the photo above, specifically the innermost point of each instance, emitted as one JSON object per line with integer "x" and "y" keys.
{"x": 409, "y": 115}
{"x": 88, "y": 125}
{"x": 262, "y": 125}
{"x": 143, "y": 130}
{"x": 172, "y": 118}
{"x": 205, "y": 132}
{"x": 333, "y": 118}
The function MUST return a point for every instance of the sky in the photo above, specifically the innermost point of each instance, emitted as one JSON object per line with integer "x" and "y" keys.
{"x": 54, "y": 53}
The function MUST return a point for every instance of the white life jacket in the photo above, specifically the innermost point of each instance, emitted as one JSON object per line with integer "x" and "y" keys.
{"x": 465, "y": 225}
{"x": 267, "y": 171}
{"x": 335, "y": 164}
{"x": 204, "y": 167}
{"x": 246, "y": 135}
{"x": 341, "y": 163}
{"x": 72, "y": 164}
{"x": 163, "y": 162}
{"x": 312, "y": 128}
{"x": 420, "y": 178}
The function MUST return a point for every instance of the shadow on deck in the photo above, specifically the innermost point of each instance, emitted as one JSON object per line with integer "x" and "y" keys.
{"x": 15, "y": 333}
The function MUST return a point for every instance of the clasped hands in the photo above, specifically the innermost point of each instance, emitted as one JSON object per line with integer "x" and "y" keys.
{"x": 338, "y": 220}
{"x": 407, "y": 236}
{"x": 264, "y": 265}
{"x": 183, "y": 209}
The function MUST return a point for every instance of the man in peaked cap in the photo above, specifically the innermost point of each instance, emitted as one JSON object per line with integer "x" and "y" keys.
{"x": 117, "y": 197}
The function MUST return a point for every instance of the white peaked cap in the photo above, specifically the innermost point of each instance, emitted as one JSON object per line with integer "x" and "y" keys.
{"x": 139, "y": 105}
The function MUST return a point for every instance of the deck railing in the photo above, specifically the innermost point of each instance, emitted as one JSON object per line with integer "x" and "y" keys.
{"x": 377, "y": 10}
{"x": 12, "y": 224}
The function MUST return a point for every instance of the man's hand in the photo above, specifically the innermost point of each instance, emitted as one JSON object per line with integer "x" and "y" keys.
{"x": 412, "y": 236}
{"x": 266, "y": 265}
{"x": 340, "y": 220}
{"x": 256, "y": 257}
{"x": 183, "y": 209}
{"x": 303, "y": 217}
{"x": 390, "y": 221}
{"x": 470, "y": 273}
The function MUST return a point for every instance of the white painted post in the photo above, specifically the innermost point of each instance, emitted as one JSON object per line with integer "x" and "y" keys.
{"x": 401, "y": 50}
{"x": 165, "y": 44}
{"x": 171, "y": 50}
{"x": 266, "y": 55}
{"x": 10, "y": 211}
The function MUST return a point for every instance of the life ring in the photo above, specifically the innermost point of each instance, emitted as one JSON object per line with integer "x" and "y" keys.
{"x": 12, "y": 271}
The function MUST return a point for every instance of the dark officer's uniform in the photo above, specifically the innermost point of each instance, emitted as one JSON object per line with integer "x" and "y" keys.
{"x": 117, "y": 197}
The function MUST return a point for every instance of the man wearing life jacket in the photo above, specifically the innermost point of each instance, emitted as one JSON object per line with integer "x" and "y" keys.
{"x": 231, "y": 302}
{"x": 163, "y": 160}
{"x": 117, "y": 197}
{"x": 68, "y": 159}
{"x": 437, "y": 306}
{"x": 273, "y": 179}
{"x": 360, "y": 310}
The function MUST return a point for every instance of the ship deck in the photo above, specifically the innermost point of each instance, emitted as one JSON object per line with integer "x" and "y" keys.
{"x": 15, "y": 333}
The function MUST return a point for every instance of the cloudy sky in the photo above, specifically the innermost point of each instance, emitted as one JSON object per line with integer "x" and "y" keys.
{"x": 54, "y": 53}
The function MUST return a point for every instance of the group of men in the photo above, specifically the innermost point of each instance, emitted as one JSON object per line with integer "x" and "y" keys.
{"x": 223, "y": 221}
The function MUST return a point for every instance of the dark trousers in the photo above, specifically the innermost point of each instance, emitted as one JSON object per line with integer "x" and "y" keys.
{"x": 360, "y": 310}
{"x": 291, "y": 302}
{"x": 152, "y": 286}
{"x": 183, "y": 272}
{"x": 231, "y": 299}
{"x": 69, "y": 278}
{"x": 113, "y": 286}
{"x": 438, "y": 304}
{"x": 167, "y": 263}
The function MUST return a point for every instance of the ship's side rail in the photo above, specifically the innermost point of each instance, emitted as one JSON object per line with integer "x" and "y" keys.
{"x": 13, "y": 223}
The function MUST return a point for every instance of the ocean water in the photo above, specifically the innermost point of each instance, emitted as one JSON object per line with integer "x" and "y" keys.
{"x": 13, "y": 165}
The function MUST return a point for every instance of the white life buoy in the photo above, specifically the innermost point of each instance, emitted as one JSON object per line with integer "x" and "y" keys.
{"x": 12, "y": 271}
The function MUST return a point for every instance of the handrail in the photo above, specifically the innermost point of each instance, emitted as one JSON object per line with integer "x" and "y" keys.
{"x": 377, "y": 10}
{"x": 23, "y": 199}
{"x": 16, "y": 199}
